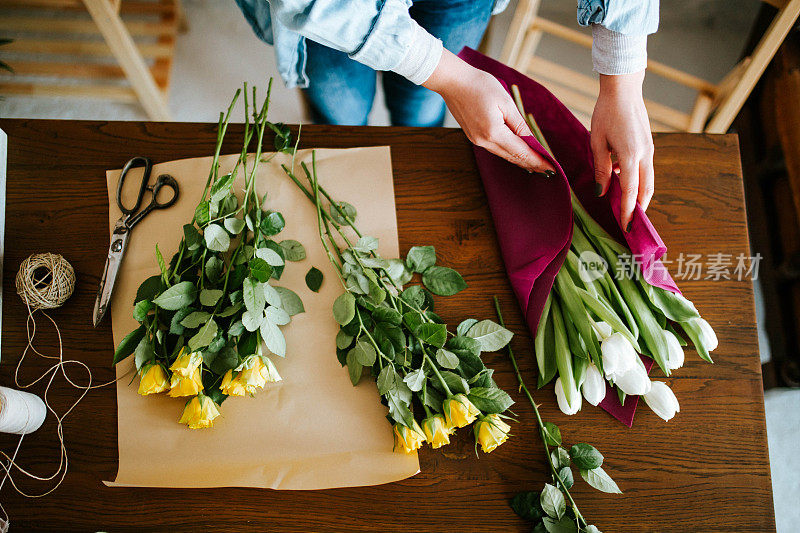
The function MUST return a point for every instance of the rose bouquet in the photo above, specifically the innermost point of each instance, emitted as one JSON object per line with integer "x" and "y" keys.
{"x": 207, "y": 316}
{"x": 601, "y": 313}
{"x": 432, "y": 380}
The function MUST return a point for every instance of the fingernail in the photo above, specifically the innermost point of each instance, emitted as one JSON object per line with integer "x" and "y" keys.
{"x": 550, "y": 173}
{"x": 628, "y": 229}
{"x": 598, "y": 189}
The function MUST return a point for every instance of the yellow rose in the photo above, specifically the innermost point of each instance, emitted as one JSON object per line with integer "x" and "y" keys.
{"x": 232, "y": 386}
{"x": 199, "y": 412}
{"x": 407, "y": 439}
{"x": 491, "y": 432}
{"x": 183, "y": 386}
{"x": 186, "y": 363}
{"x": 154, "y": 380}
{"x": 437, "y": 431}
{"x": 459, "y": 411}
{"x": 257, "y": 373}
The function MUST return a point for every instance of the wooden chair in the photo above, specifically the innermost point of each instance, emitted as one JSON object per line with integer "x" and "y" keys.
{"x": 58, "y": 51}
{"x": 715, "y": 106}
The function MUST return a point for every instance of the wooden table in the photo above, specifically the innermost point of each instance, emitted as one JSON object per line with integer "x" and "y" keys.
{"x": 706, "y": 470}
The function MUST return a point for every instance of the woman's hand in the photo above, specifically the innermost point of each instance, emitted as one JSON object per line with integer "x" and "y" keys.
{"x": 620, "y": 126}
{"x": 485, "y": 111}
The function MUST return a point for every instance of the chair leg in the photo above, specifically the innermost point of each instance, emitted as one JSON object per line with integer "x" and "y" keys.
{"x": 762, "y": 55}
{"x": 523, "y": 17}
{"x": 130, "y": 60}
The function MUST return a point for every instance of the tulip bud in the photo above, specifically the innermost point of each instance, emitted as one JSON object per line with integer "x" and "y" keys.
{"x": 459, "y": 411}
{"x": 594, "y": 385}
{"x": 634, "y": 382}
{"x": 199, "y": 412}
{"x": 662, "y": 400}
{"x": 154, "y": 380}
{"x": 437, "y": 431}
{"x": 565, "y": 406}
{"x": 618, "y": 355}
{"x": 602, "y": 330}
{"x": 675, "y": 356}
{"x": 491, "y": 432}
{"x": 408, "y": 439}
{"x": 709, "y": 336}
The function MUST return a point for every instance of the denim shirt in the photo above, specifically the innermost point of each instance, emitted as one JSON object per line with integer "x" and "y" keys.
{"x": 378, "y": 33}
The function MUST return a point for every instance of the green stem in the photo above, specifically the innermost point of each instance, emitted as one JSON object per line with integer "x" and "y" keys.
{"x": 542, "y": 434}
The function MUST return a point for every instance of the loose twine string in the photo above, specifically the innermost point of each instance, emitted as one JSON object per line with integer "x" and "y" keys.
{"x": 45, "y": 281}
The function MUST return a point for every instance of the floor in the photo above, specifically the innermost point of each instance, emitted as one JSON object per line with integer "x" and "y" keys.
{"x": 208, "y": 70}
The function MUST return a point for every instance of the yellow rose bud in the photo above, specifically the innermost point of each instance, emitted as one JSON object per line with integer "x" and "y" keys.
{"x": 199, "y": 412}
{"x": 491, "y": 432}
{"x": 459, "y": 411}
{"x": 183, "y": 386}
{"x": 407, "y": 439}
{"x": 154, "y": 380}
{"x": 257, "y": 373}
{"x": 186, "y": 363}
{"x": 437, "y": 431}
{"x": 232, "y": 386}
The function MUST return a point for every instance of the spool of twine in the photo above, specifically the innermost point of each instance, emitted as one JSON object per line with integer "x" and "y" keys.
{"x": 20, "y": 412}
{"x": 45, "y": 281}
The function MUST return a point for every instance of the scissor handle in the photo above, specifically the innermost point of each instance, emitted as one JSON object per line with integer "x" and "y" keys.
{"x": 134, "y": 163}
{"x": 164, "y": 180}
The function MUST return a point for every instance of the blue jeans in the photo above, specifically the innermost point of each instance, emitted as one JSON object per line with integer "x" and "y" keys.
{"x": 341, "y": 91}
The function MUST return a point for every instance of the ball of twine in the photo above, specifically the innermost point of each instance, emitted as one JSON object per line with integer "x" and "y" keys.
{"x": 45, "y": 281}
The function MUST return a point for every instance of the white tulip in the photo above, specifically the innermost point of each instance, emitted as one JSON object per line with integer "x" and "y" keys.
{"x": 618, "y": 355}
{"x": 594, "y": 385}
{"x": 565, "y": 407}
{"x": 635, "y": 381}
{"x": 662, "y": 400}
{"x": 602, "y": 330}
{"x": 709, "y": 339}
{"x": 675, "y": 356}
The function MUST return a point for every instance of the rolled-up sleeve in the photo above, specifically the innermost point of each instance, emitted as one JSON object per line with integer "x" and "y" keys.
{"x": 378, "y": 33}
{"x": 619, "y": 30}
{"x": 628, "y": 17}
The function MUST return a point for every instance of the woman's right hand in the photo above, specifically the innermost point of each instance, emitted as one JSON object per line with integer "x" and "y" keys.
{"x": 485, "y": 111}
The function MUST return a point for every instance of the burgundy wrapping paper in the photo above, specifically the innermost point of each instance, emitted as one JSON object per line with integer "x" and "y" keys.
{"x": 533, "y": 215}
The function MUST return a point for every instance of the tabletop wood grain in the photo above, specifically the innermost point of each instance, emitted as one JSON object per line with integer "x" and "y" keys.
{"x": 705, "y": 470}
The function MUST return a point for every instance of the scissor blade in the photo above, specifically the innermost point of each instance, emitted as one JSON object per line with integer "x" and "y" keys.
{"x": 119, "y": 241}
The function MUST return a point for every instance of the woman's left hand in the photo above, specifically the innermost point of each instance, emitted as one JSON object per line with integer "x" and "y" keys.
{"x": 620, "y": 126}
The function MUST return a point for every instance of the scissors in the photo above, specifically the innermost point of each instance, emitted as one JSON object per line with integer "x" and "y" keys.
{"x": 123, "y": 227}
